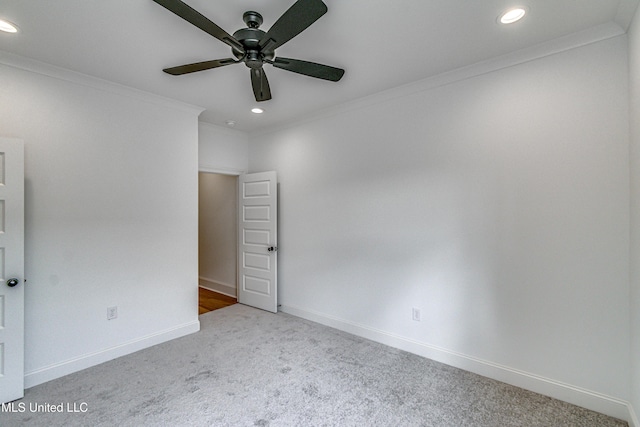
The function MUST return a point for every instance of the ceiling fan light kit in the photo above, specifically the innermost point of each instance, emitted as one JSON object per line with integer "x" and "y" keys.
{"x": 255, "y": 47}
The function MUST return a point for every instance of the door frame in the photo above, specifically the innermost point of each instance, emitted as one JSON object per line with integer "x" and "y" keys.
{"x": 236, "y": 173}
{"x": 230, "y": 172}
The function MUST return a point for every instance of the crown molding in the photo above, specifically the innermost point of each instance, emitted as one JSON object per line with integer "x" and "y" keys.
{"x": 52, "y": 71}
{"x": 626, "y": 11}
{"x": 222, "y": 129}
{"x": 562, "y": 44}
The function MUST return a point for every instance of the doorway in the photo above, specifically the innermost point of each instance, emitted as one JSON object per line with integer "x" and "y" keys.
{"x": 217, "y": 240}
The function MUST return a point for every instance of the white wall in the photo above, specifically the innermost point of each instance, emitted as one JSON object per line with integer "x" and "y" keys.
{"x": 498, "y": 205}
{"x": 111, "y": 216}
{"x": 222, "y": 150}
{"x": 217, "y": 232}
{"x": 634, "y": 73}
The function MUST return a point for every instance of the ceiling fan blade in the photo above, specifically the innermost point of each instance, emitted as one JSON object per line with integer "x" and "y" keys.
{"x": 260, "y": 84}
{"x": 199, "y": 66}
{"x": 191, "y": 15}
{"x": 311, "y": 69}
{"x": 295, "y": 20}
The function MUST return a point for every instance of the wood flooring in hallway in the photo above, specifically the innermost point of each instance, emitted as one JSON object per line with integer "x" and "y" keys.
{"x": 209, "y": 300}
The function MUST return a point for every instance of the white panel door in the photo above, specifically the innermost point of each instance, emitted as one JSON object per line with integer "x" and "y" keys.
{"x": 258, "y": 241}
{"x": 11, "y": 269}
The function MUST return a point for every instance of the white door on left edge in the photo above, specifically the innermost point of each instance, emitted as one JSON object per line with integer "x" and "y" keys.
{"x": 258, "y": 240}
{"x": 11, "y": 269}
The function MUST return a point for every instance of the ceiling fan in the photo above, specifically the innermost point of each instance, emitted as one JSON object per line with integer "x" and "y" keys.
{"x": 254, "y": 47}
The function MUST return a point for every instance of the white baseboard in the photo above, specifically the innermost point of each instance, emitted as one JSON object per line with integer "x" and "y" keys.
{"x": 217, "y": 286}
{"x": 575, "y": 395}
{"x": 67, "y": 367}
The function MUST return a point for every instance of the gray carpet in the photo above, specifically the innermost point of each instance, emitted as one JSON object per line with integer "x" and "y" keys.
{"x": 247, "y": 367}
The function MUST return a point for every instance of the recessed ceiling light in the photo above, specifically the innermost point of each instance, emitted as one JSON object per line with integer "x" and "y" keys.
{"x": 512, "y": 15}
{"x": 8, "y": 27}
{"x": 230, "y": 123}
{"x": 257, "y": 110}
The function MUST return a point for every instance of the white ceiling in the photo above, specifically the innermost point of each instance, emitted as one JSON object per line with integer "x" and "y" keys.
{"x": 380, "y": 43}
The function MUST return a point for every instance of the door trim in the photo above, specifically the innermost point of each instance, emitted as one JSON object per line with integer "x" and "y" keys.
{"x": 236, "y": 173}
{"x": 221, "y": 171}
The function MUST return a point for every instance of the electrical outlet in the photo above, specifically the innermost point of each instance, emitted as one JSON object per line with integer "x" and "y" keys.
{"x": 112, "y": 313}
{"x": 415, "y": 314}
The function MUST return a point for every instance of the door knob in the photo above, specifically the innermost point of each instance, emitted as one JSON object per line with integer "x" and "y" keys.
{"x": 12, "y": 282}
{"x": 272, "y": 248}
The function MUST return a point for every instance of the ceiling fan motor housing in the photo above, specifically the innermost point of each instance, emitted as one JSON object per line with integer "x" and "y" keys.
{"x": 250, "y": 38}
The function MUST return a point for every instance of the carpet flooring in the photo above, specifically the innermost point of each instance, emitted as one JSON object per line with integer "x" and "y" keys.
{"x": 247, "y": 367}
